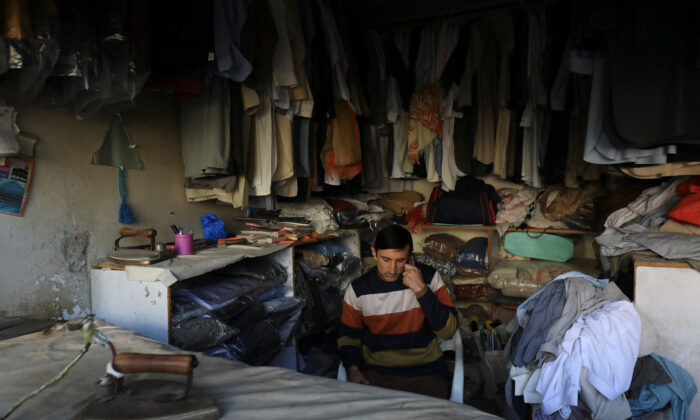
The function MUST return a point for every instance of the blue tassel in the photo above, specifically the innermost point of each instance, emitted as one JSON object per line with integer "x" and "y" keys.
{"x": 125, "y": 215}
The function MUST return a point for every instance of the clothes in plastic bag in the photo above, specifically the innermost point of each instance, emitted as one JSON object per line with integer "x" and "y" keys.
{"x": 317, "y": 211}
{"x": 559, "y": 201}
{"x": 246, "y": 319}
{"x": 497, "y": 297}
{"x": 76, "y": 38}
{"x": 218, "y": 293}
{"x": 278, "y": 310}
{"x": 328, "y": 249}
{"x": 319, "y": 363}
{"x": 17, "y": 32}
{"x": 103, "y": 58}
{"x": 287, "y": 328}
{"x": 341, "y": 270}
{"x": 447, "y": 268}
{"x": 313, "y": 259}
{"x": 442, "y": 246}
{"x": 184, "y": 308}
{"x": 225, "y": 313}
{"x": 232, "y": 309}
{"x": 258, "y": 346}
{"x": 197, "y": 334}
{"x": 222, "y": 351}
{"x": 347, "y": 219}
{"x": 471, "y": 272}
{"x": 119, "y": 78}
{"x": 524, "y": 278}
{"x": 4, "y": 54}
{"x": 584, "y": 218}
{"x": 273, "y": 274}
{"x": 470, "y": 291}
{"x": 272, "y": 293}
{"x": 473, "y": 254}
{"x": 314, "y": 313}
{"x": 20, "y": 85}
{"x": 333, "y": 303}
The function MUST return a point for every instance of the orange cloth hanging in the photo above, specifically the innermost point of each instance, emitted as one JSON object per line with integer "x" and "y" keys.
{"x": 342, "y": 151}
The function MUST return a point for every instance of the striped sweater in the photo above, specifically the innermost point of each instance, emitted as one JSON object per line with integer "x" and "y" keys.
{"x": 385, "y": 328}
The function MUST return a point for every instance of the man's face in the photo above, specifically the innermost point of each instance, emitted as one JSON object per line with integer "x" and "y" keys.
{"x": 390, "y": 262}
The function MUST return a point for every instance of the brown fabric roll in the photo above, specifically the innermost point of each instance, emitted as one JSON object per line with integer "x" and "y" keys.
{"x": 442, "y": 246}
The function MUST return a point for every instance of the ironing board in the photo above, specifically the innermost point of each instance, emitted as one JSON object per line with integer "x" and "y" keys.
{"x": 240, "y": 391}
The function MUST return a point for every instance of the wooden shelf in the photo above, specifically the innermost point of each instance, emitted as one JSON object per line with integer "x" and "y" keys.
{"x": 511, "y": 229}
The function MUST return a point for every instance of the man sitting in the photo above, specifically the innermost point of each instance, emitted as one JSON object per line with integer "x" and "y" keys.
{"x": 388, "y": 333}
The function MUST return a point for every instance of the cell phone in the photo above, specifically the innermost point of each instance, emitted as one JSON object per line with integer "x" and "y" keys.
{"x": 411, "y": 260}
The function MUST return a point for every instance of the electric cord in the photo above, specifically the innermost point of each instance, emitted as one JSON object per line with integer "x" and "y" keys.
{"x": 53, "y": 381}
{"x": 90, "y": 333}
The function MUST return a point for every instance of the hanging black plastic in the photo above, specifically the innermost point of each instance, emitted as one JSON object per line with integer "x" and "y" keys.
{"x": 314, "y": 313}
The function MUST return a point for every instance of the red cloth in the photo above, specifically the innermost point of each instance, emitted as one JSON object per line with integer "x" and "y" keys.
{"x": 470, "y": 291}
{"x": 340, "y": 205}
{"x": 688, "y": 209}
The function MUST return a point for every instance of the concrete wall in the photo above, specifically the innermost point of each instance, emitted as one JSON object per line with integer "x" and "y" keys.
{"x": 71, "y": 217}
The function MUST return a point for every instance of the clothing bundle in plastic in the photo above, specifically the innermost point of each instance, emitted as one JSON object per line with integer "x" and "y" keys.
{"x": 240, "y": 313}
{"x": 85, "y": 55}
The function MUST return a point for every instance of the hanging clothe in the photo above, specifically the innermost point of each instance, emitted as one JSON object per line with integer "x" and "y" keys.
{"x": 229, "y": 18}
{"x": 424, "y": 123}
{"x": 341, "y": 154}
{"x": 449, "y": 171}
{"x": 282, "y": 60}
{"x": 338, "y": 60}
{"x": 205, "y": 131}
{"x": 599, "y": 149}
{"x": 503, "y": 25}
{"x": 261, "y": 162}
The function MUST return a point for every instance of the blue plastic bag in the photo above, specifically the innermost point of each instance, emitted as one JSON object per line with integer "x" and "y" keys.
{"x": 213, "y": 227}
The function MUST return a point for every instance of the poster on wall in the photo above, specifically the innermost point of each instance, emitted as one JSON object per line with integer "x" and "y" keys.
{"x": 15, "y": 179}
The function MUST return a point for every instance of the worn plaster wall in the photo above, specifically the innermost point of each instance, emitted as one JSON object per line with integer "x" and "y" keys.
{"x": 72, "y": 214}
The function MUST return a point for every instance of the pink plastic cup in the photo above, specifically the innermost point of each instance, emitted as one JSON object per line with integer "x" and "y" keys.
{"x": 183, "y": 244}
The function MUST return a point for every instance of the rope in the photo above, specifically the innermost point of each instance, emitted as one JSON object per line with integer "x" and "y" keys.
{"x": 122, "y": 183}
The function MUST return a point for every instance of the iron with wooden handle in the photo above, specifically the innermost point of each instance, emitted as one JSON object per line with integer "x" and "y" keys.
{"x": 177, "y": 364}
{"x": 150, "y": 397}
{"x": 143, "y": 233}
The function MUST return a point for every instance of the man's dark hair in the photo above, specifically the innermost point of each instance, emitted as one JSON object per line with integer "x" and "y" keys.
{"x": 393, "y": 237}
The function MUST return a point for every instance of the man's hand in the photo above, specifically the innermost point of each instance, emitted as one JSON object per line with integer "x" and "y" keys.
{"x": 413, "y": 279}
{"x": 356, "y": 375}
